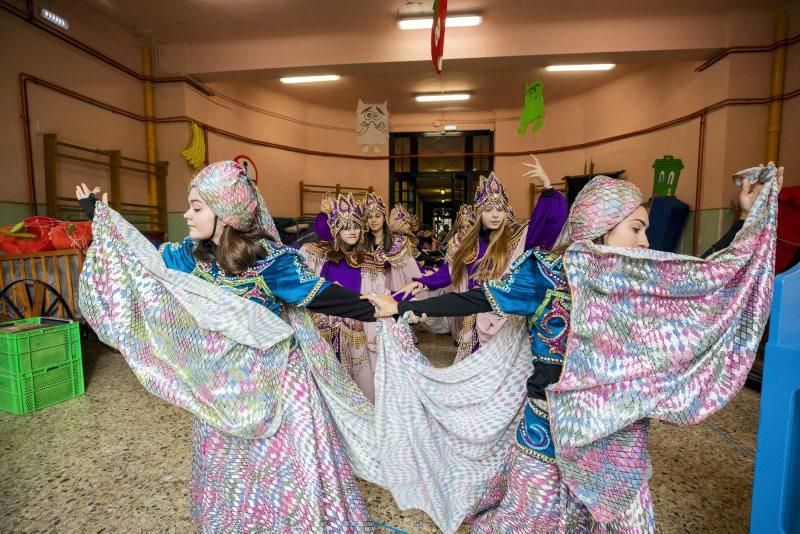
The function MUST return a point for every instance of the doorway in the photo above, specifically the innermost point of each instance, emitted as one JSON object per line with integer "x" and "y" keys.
{"x": 434, "y": 173}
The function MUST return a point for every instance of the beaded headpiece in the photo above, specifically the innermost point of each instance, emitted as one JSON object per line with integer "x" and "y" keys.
{"x": 374, "y": 203}
{"x": 465, "y": 217}
{"x": 398, "y": 217}
{"x": 344, "y": 212}
{"x": 233, "y": 197}
{"x": 602, "y": 204}
{"x": 491, "y": 193}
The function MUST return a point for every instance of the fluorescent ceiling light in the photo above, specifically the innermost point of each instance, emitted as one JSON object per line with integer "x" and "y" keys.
{"x": 442, "y": 97}
{"x": 450, "y": 127}
{"x": 426, "y": 23}
{"x": 574, "y": 68}
{"x": 311, "y": 79}
{"x": 51, "y": 17}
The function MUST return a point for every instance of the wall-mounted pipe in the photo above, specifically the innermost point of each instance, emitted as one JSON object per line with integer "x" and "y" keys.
{"x": 698, "y": 192}
{"x": 151, "y": 144}
{"x": 784, "y": 42}
{"x": 30, "y": 17}
{"x": 28, "y": 78}
{"x": 778, "y": 75}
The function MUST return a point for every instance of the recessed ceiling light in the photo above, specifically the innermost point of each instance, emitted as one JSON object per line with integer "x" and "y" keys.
{"x": 311, "y": 79}
{"x": 442, "y": 97}
{"x": 426, "y": 23}
{"x": 575, "y": 68}
{"x": 51, "y": 17}
{"x": 450, "y": 127}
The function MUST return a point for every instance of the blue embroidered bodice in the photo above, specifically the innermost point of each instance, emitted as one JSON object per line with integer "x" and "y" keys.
{"x": 536, "y": 287}
{"x": 281, "y": 277}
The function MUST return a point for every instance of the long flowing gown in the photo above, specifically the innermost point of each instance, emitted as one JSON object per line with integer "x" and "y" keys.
{"x": 266, "y": 455}
{"x": 683, "y": 334}
{"x": 652, "y": 335}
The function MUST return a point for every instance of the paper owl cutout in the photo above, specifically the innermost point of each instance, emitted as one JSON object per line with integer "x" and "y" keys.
{"x": 372, "y": 125}
{"x": 533, "y": 110}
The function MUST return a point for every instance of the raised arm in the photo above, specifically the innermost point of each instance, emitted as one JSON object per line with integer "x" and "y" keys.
{"x": 550, "y": 213}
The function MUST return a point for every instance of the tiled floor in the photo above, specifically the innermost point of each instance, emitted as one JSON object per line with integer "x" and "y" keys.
{"x": 117, "y": 460}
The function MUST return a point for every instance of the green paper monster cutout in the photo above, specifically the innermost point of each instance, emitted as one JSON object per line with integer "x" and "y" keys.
{"x": 533, "y": 110}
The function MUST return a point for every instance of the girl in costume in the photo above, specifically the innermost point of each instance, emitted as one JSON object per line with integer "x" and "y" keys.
{"x": 619, "y": 335}
{"x": 400, "y": 221}
{"x": 204, "y": 326}
{"x": 487, "y": 249}
{"x": 346, "y": 260}
{"x": 394, "y": 250}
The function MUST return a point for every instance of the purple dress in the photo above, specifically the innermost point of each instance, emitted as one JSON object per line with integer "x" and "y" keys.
{"x": 542, "y": 230}
{"x": 352, "y": 341}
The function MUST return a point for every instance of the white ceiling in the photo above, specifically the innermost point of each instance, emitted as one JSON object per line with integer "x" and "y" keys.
{"x": 220, "y": 20}
{"x": 496, "y": 82}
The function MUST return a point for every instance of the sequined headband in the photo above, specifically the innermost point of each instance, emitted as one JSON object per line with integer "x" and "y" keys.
{"x": 236, "y": 201}
{"x": 344, "y": 212}
{"x": 602, "y": 204}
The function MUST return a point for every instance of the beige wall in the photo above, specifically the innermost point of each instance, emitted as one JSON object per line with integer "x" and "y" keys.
{"x": 74, "y": 122}
{"x": 661, "y": 92}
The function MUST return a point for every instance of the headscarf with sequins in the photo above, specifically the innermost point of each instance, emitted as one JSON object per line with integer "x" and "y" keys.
{"x": 234, "y": 198}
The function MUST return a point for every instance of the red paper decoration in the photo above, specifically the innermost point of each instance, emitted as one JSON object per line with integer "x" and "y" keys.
{"x": 437, "y": 34}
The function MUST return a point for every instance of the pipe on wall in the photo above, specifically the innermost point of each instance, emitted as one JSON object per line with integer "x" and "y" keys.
{"x": 698, "y": 192}
{"x": 778, "y": 76}
{"x": 24, "y": 79}
{"x": 151, "y": 143}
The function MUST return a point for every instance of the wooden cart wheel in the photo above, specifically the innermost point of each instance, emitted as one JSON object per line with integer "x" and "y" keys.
{"x": 34, "y": 298}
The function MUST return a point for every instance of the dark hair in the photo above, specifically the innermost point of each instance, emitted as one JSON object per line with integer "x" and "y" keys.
{"x": 388, "y": 237}
{"x": 236, "y": 252}
{"x": 337, "y": 254}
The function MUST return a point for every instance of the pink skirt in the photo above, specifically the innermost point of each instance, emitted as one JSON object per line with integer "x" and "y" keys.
{"x": 527, "y": 496}
{"x": 298, "y": 480}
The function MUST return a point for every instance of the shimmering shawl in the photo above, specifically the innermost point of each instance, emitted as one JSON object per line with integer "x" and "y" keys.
{"x": 434, "y": 437}
{"x": 654, "y": 335}
{"x": 225, "y": 367}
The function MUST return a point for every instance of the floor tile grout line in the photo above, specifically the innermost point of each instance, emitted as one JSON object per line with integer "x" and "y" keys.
{"x": 389, "y": 527}
{"x": 744, "y": 451}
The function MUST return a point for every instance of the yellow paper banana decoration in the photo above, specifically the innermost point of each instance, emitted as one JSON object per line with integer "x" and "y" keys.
{"x": 195, "y": 153}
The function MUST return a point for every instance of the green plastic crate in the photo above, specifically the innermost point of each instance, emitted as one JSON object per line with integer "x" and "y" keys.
{"x": 25, "y": 352}
{"x": 28, "y": 392}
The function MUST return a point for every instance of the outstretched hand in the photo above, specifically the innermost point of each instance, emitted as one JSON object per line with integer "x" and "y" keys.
{"x": 537, "y": 172}
{"x": 82, "y": 191}
{"x": 411, "y": 289}
{"x": 385, "y": 306}
{"x": 750, "y": 191}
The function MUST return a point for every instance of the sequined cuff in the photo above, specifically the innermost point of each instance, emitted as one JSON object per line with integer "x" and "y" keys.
{"x": 490, "y": 297}
{"x": 319, "y": 286}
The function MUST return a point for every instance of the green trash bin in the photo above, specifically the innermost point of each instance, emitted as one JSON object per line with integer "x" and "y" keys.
{"x": 667, "y": 173}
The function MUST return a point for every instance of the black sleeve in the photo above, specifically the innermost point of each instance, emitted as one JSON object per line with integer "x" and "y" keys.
{"x": 448, "y": 305}
{"x": 547, "y": 192}
{"x": 725, "y": 240}
{"x": 341, "y": 302}
{"x": 87, "y": 205}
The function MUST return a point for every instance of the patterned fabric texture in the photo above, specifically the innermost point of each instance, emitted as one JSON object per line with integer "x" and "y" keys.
{"x": 601, "y": 205}
{"x": 654, "y": 335}
{"x": 426, "y": 439}
{"x": 443, "y": 433}
{"x": 159, "y": 319}
{"x": 527, "y": 496}
{"x": 233, "y": 197}
{"x": 298, "y": 480}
